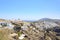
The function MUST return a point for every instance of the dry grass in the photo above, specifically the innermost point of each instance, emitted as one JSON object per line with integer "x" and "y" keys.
{"x": 4, "y": 34}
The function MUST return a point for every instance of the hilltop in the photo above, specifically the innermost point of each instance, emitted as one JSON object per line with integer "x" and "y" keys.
{"x": 43, "y": 29}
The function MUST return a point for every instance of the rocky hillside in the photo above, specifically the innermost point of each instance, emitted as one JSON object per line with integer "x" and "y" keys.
{"x": 43, "y": 29}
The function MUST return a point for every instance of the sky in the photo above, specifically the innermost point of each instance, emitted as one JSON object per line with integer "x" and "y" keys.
{"x": 29, "y": 9}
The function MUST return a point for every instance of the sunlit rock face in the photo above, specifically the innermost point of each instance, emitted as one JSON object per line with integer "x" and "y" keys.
{"x": 45, "y": 24}
{"x": 22, "y": 36}
{"x": 24, "y": 27}
{"x": 6, "y": 24}
{"x": 10, "y": 25}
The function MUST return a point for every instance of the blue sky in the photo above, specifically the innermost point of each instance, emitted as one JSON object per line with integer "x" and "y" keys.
{"x": 29, "y": 9}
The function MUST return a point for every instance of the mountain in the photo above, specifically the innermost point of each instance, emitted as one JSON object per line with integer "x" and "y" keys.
{"x": 46, "y": 19}
{"x": 46, "y": 23}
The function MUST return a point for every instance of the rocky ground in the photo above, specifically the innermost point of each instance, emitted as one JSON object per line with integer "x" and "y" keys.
{"x": 46, "y": 29}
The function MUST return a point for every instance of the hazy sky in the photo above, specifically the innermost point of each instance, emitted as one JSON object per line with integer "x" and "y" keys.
{"x": 29, "y": 9}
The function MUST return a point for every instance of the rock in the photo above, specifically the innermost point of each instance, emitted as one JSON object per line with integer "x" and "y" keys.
{"x": 14, "y": 35}
{"x": 22, "y": 36}
{"x": 24, "y": 27}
